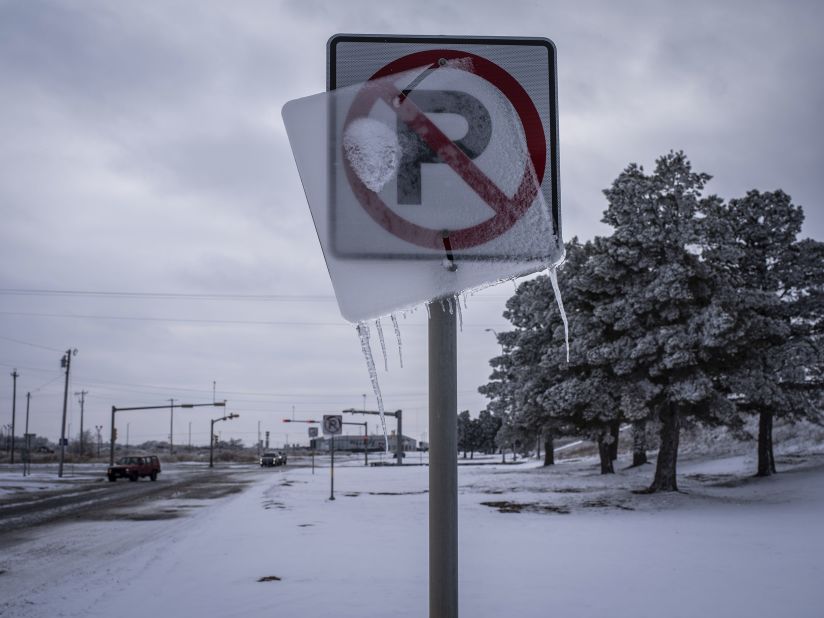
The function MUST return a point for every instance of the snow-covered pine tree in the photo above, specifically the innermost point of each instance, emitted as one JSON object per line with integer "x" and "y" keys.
{"x": 769, "y": 279}
{"x": 663, "y": 329}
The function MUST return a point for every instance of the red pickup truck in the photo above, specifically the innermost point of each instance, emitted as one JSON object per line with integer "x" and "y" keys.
{"x": 134, "y": 468}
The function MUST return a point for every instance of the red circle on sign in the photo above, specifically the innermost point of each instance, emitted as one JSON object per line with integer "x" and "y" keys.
{"x": 507, "y": 209}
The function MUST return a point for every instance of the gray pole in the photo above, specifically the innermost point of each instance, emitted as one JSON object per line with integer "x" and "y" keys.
{"x": 399, "y": 442}
{"x": 443, "y": 463}
{"x": 332, "y": 469}
{"x": 82, "y": 402}
{"x": 14, "y": 375}
{"x": 68, "y": 358}
{"x": 27, "y": 459}
{"x": 172, "y": 426}
{"x": 212, "y": 445}
{"x": 366, "y": 443}
{"x": 111, "y": 440}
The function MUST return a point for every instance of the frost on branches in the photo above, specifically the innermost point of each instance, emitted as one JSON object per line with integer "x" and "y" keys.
{"x": 690, "y": 308}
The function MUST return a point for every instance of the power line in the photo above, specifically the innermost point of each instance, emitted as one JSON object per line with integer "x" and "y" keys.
{"x": 201, "y": 320}
{"x": 188, "y": 295}
{"x": 169, "y": 295}
{"x": 34, "y": 345}
{"x": 182, "y": 320}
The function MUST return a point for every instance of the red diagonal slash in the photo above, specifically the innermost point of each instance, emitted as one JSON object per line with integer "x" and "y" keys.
{"x": 507, "y": 209}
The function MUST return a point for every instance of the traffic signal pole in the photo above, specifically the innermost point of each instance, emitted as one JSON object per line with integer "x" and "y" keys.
{"x": 216, "y": 404}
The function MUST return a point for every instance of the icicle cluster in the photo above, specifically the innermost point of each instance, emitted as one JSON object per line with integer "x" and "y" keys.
{"x": 366, "y": 348}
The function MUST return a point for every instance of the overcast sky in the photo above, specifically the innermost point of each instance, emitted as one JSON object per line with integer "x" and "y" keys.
{"x": 148, "y": 192}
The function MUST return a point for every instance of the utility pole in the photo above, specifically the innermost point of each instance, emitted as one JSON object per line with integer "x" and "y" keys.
{"x": 65, "y": 362}
{"x": 82, "y": 401}
{"x": 172, "y": 425}
{"x": 14, "y": 376}
{"x": 27, "y": 437}
{"x": 190, "y": 435}
{"x": 99, "y": 428}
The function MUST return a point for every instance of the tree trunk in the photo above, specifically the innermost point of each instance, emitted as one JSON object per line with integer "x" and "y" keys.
{"x": 605, "y": 453}
{"x": 639, "y": 443}
{"x": 665, "y": 466}
{"x": 549, "y": 449}
{"x": 615, "y": 431}
{"x": 766, "y": 458}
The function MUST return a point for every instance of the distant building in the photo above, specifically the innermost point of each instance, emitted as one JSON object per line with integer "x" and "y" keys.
{"x": 355, "y": 444}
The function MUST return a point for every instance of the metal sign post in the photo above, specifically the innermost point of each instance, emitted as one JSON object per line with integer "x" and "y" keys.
{"x": 443, "y": 463}
{"x": 313, "y": 433}
{"x": 332, "y": 426}
{"x": 332, "y": 468}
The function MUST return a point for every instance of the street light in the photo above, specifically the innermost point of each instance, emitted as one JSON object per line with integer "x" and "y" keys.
{"x": 212, "y": 435}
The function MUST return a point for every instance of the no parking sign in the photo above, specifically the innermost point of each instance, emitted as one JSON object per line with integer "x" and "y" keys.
{"x": 430, "y": 166}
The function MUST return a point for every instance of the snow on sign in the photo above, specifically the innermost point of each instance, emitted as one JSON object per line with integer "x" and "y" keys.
{"x": 430, "y": 166}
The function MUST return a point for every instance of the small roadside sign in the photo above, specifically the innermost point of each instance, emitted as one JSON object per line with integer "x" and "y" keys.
{"x": 332, "y": 424}
{"x": 313, "y": 432}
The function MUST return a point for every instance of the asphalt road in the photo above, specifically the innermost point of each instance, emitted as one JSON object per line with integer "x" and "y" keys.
{"x": 88, "y": 495}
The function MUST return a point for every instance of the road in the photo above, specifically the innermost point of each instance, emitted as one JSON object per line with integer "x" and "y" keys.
{"x": 86, "y": 495}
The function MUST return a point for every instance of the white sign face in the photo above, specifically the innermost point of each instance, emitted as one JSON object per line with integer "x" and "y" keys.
{"x": 332, "y": 424}
{"x": 430, "y": 166}
{"x": 313, "y": 432}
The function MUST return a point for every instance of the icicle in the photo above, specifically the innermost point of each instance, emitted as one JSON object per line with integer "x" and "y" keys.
{"x": 363, "y": 334}
{"x": 428, "y": 312}
{"x": 464, "y": 299}
{"x": 460, "y": 314}
{"x": 553, "y": 277}
{"x": 383, "y": 344}
{"x": 451, "y": 305}
{"x": 398, "y": 336}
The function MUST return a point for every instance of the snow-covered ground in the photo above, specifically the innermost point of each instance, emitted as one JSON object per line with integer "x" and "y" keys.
{"x": 563, "y": 541}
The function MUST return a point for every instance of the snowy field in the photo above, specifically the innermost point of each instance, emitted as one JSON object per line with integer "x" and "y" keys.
{"x": 563, "y": 541}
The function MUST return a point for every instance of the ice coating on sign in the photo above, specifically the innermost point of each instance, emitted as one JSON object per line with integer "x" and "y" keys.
{"x": 366, "y": 348}
{"x": 373, "y": 151}
{"x": 464, "y": 208}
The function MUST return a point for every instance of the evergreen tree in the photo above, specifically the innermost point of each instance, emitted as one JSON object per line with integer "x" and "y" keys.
{"x": 752, "y": 243}
{"x": 664, "y": 329}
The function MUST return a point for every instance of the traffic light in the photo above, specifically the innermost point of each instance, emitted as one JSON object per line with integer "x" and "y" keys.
{"x": 114, "y": 434}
